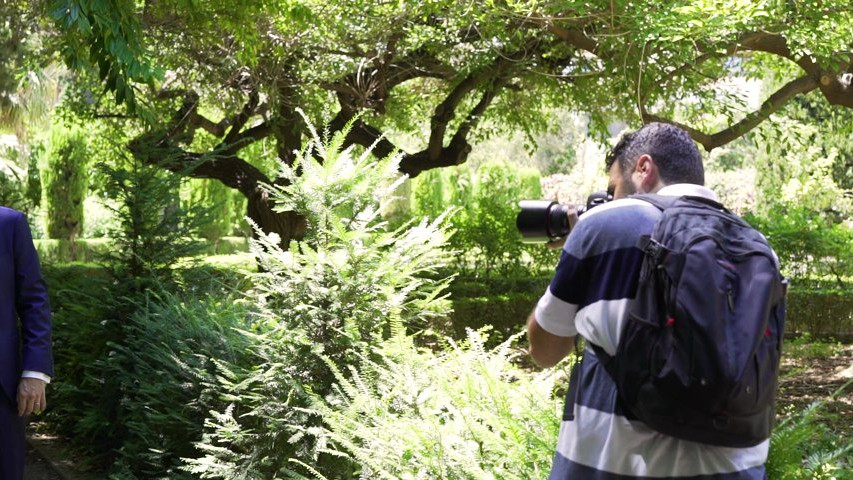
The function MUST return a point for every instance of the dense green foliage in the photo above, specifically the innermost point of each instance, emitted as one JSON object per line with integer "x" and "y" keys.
{"x": 106, "y": 34}
{"x": 80, "y": 296}
{"x": 66, "y": 181}
{"x": 337, "y": 47}
{"x": 133, "y": 368}
{"x": 165, "y": 373}
{"x": 216, "y": 80}
{"x": 217, "y": 202}
{"x": 153, "y": 230}
{"x": 460, "y": 384}
{"x": 331, "y": 361}
{"x": 484, "y": 204}
{"x": 329, "y": 299}
{"x": 809, "y": 244}
{"x": 466, "y": 412}
{"x": 803, "y": 448}
{"x": 20, "y": 188}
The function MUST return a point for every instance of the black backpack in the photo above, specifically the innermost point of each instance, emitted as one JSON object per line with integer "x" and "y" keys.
{"x": 698, "y": 358}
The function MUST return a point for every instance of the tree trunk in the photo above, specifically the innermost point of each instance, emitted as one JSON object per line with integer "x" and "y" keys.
{"x": 287, "y": 225}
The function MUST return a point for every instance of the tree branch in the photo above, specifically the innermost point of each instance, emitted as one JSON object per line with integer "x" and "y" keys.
{"x": 249, "y": 109}
{"x": 215, "y": 129}
{"x": 151, "y": 148}
{"x": 446, "y": 110}
{"x": 573, "y": 36}
{"x": 773, "y": 103}
{"x": 368, "y": 88}
{"x": 161, "y": 147}
{"x": 455, "y": 153}
{"x": 831, "y": 83}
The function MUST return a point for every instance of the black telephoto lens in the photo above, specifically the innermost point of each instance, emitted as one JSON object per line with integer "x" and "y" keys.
{"x": 542, "y": 221}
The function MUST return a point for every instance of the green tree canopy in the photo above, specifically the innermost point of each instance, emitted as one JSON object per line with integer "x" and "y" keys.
{"x": 215, "y": 77}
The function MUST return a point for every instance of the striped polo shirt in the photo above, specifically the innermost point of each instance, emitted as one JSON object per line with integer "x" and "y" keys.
{"x": 590, "y": 294}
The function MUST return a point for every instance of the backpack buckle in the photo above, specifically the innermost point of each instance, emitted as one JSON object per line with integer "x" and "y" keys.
{"x": 650, "y": 246}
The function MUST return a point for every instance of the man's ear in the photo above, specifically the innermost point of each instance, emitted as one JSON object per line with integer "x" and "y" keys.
{"x": 649, "y": 174}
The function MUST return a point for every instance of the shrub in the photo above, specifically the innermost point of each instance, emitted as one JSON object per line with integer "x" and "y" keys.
{"x": 80, "y": 250}
{"x": 81, "y": 297}
{"x": 132, "y": 396}
{"x": 163, "y": 371}
{"x": 505, "y": 314}
{"x": 809, "y": 243}
{"x": 821, "y": 312}
{"x": 213, "y": 199}
{"x": 486, "y": 201}
{"x": 66, "y": 181}
{"x": 802, "y": 447}
{"x": 20, "y": 189}
{"x": 347, "y": 286}
{"x": 466, "y": 412}
{"x": 153, "y": 231}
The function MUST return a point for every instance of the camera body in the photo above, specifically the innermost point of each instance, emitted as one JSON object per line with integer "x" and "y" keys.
{"x": 542, "y": 221}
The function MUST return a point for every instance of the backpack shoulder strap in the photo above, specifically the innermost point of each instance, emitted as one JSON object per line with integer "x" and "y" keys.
{"x": 662, "y": 202}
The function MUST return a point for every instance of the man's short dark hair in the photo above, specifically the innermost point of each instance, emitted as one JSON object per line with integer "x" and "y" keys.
{"x": 673, "y": 151}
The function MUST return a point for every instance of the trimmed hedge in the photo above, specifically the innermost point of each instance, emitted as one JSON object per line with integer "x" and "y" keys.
{"x": 92, "y": 249}
{"x": 81, "y": 250}
{"x": 822, "y": 313}
{"x": 505, "y": 313}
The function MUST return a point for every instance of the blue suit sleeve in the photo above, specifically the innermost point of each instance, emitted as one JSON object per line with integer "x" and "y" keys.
{"x": 31, "y": 303}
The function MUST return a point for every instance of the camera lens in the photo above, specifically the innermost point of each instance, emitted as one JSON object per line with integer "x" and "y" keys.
{"x": 542, "y": 221}
{"x": 558, "y": 221}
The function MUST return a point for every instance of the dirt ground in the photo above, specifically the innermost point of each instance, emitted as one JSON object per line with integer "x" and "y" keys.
{"x": 805, "y": 380}
{"x": 38, "y": 468}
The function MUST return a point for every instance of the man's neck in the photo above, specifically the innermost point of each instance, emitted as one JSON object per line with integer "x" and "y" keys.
{"x": 691, "y": 189}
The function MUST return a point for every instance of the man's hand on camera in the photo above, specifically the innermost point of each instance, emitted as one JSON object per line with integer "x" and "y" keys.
{"x": 572, "y": 215}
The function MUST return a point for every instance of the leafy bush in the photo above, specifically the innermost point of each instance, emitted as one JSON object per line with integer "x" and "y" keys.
{"x": 808, "y": 242}
{"x": 153, "y": 230}
{"x": 505, "y": 314}
{"x": 486, "y": 239}
{"x": 466, "y": 412}
{"x": 806, "y": 347}
{"x": 20, "y": 188}
{"x": 80, "y": 297}
{"x": 347, "y": 286}
{"x": 821, "y": 312}
{"x": 131, "y": 394}
{"x": 66, "y": 181}
{"x": 504, "y": 303}
{"x": 214, "y": 200}
{"x": 80, "y": 250}
{"x": 162, "y": 371}
{"x": 803, "y": 448}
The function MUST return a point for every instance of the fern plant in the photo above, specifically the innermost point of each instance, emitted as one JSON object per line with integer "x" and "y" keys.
{"x": 802, "y": 447}
{"x": 348, "y": 285}
{"x": 466, "y": 413}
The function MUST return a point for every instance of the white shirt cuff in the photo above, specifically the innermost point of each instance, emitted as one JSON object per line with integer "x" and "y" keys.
{"x": 38, "y": 375}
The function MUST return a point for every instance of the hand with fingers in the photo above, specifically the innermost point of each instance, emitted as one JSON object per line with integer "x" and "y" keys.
{"x": 31, "y": 396}
{"x": 572, "y": 215}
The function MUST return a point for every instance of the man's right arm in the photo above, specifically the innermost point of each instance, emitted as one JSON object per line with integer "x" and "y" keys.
{"x": 546, "y": 349}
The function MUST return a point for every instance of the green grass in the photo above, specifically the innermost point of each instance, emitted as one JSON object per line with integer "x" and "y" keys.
{"x": 804, "y": 346}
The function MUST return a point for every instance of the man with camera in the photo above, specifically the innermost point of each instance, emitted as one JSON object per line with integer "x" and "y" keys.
{"x": 606, "y": 432}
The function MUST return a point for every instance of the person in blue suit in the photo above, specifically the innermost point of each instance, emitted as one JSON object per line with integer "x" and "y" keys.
{"x": 26, "y": 363}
